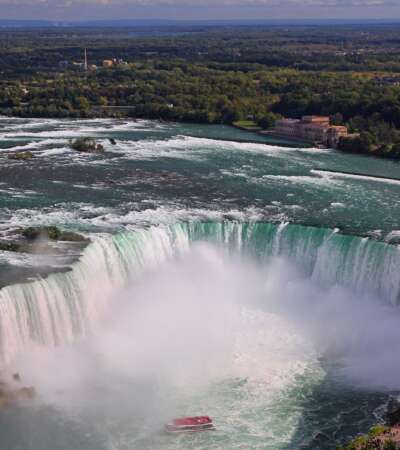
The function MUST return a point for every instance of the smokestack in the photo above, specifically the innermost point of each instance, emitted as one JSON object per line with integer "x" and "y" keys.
{"x": 86, "y": 62}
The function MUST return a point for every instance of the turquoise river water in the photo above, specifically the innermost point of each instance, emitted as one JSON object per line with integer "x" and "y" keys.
{"x": 225, "y": 278}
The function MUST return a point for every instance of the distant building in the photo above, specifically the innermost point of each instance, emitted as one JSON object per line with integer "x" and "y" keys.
{"x": 108, "y": 63}
{"x": 316, "y": 129}
{"x": 115, "y": 62}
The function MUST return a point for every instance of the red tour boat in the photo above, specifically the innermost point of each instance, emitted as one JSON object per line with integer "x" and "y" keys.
{"x": 190, "y": 425}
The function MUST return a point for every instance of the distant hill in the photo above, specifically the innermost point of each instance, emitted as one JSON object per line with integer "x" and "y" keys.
{"x": 184, "y": 23}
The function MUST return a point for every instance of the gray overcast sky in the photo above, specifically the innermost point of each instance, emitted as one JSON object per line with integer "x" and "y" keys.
{"x": 198, "y": 9}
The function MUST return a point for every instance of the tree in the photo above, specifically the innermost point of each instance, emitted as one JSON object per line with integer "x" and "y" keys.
{"x": 268, "y": 120}
{"x": 82, "y": 103}
{"x": 337, "y": 119}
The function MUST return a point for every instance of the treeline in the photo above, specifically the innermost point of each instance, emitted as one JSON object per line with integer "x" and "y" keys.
{"x": 173, "y": 91}
{"x": 308, "y": 48}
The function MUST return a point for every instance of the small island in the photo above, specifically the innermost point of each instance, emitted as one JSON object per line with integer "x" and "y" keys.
{"x": 21, "y": 156}
{"x": 86, "y": 145}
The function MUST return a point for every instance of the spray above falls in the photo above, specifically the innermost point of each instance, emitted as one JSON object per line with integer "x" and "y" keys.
{"x": 66, "y": 306}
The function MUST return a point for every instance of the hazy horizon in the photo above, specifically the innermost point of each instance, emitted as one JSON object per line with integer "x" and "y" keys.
{"x": 88, "y": 10}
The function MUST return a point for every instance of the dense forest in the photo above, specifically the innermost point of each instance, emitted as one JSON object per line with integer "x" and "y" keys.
{"x": 211, "y": 74}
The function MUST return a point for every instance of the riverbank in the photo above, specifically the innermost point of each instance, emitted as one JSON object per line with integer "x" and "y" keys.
{"x": 380, "y": 437}
{"x": 383, "y": 436}
{"x": 264, "y": 137}
{"x": 269, "y": 137}
{"x": 350, "y": 145}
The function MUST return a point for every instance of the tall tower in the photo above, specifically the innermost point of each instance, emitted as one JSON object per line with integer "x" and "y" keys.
{"x": 86, "y": 63}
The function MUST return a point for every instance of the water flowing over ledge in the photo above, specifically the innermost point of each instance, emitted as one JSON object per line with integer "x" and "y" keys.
{"x": 69, "y": 305}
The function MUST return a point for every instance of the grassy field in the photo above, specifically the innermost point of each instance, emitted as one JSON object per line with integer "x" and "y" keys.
{"x": 248, "y": 125}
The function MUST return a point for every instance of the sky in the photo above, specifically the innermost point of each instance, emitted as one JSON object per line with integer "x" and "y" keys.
{"x": 199, "y": 9}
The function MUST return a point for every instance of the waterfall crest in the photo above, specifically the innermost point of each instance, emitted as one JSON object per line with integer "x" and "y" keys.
{"x": 66, "y": 306}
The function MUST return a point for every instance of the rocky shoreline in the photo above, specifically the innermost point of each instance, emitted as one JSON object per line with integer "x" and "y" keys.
{"x": 48, "y": 248}
{"x": 12, "y": 390}
{"x": 382, "y": 436}
{"x": 32, "y": 239}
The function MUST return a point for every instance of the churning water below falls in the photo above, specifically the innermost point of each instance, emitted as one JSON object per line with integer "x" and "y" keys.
{"x": 224, "y": 278}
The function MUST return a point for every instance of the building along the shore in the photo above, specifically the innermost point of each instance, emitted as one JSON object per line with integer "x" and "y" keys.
{"x": 316, "y": 129}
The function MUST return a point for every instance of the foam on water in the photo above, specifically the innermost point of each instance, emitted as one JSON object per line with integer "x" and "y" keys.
{"x": 304, "y": 179}
{"x": 89, "y": 217}
{"x": 54, "y": 151}
{"x": 182, "y": 146}
{"x": 332, "y": 174}
{"x": 178, "y": 147}
{"x": 67, "y": 129}
{"x": 171, "y": 215}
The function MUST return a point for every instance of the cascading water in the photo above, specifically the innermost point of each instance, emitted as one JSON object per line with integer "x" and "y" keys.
{"x": 326, "y": 256}
{"x": 65, "y": 306}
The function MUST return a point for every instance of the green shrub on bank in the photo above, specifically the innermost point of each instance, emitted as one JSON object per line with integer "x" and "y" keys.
{"x": 371, "y": 440}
